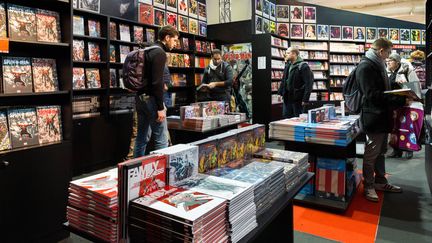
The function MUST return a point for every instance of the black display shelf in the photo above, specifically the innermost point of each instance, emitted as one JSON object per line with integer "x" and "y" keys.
{"x": 88, "y": 13}
{"x": 32, "y": 147}
{"x": 276, "y": 79}
{"x": 180, "y": 88}
{"x": 82, "y": 234}
{"x": 181, "y": 69}
{"x": 337, "y": 88}
{"x": 88, "y": 63}
{"x": 280, "y": 47}
{"x": 118, "y": 90}
{"x": 320, "y": 79}
{"x": 278, "y": 58}
{"x": 346, "y": 52}
{"x": 41, "y": 98}
{"x": 320, "y": 90}
{"x": 315, "y": 59}
{"x": 278, "y": 69}
{"x": 344, "y": 63}
{"x": 96, "y": 91}
{"x": 202, "y": 54}
{"x": 338, "y": 75}
{"x": 90, "y": 38}
{"x": 116, "y": 63}
{"x": 181, "y": 51}
{"x": 16, "y": 43}
{"x": 120, "y": 42}
{"x": 324, "y": 70}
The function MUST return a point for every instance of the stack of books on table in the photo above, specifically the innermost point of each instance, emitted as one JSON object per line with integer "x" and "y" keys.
{"x": 201, "y": 123}
{"x": 93, "y": 205}
{"x": 174, "y": 121}
{"x": 175, "y": 214}
{"x": 292, "y": 129}
{"x": 240, "y": 197}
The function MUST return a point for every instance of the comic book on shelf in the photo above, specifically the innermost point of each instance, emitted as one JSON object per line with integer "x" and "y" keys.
{"x": 48, "y": 26}
{"x": 124, "y": 51}
{"x": 17, "y": 77}
{"x": 113, "y": 31}
{"x": 207, "y": 155}
{"x": 112, "y": 53}
{"x": 78, "y": 25}
{"x": 93, "y": 78}
{"x": 193, "y": 26}
{"x": 94, "y": 28}
{"x": 5, "y": 142}
{"x": 44, "y": 75}
{"x": 2, "y": 20}
{"x": 124, "y": 32}
{"x": 78, "y": 50}
{"x": 23, "y": 127}
{"x": 49, "y": 124}
{"x": 90, "y": 5}
{"x": 138, "y": 34}
{"x": 146, "y": 14}
{"x": 22, "y": 23}
{"x": 183, "y": 23}
{"x": 150, "y": 35}
{"x": 193, "y": 8}
{"x": 185, "y": 43}
{"x": 78, "y": 78}
{"x": 202, "y": 11}
{"x": 94, "y": 52}
{"x": 113, "y": 78}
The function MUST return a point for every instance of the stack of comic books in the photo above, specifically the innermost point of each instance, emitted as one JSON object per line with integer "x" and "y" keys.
{"x": 201, "y": 123}
{"x": 93, "y": 205}
{"x": 175, "y": 214}
{"x": 300, "y": 160}
{"x": 207, "y": 154}
{"x": 240, "y": 197}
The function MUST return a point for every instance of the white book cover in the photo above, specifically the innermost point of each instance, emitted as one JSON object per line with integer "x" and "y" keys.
{"x": 104, "y": 183}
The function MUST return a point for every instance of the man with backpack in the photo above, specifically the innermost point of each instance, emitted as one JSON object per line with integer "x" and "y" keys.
{"x": 150, "y": 107}
{"x": 376, "y": 116}
{"x": 296, "y": 85}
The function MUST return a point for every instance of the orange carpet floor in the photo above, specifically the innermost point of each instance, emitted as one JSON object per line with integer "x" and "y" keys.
{"x": 359, "y": 223}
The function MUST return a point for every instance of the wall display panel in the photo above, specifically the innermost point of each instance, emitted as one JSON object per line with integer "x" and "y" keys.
{"x": 193, "y": 8}
{"x": 282, "y": 13}
{"x": 296, "y": 31}
{"x": 171, "y": 5}
{"x": 266, "y": 9}
{"x": 309, "y": 14}
{"x": 146, "y": 14}
{"x": 415, "y": 36}
{"x": 272, "y": 11}
{"x": 296, "y": 13}
{"x": 383, "y": 33}
{"x": 183, "y": 23}
{"x": 347, "y": 33}
{"x": 159, "y": 3}
{"x": 125, "y": 9}
{"x": 323, "y": 32}
{"x": 310, "y": 32}
{"x": 371, "y": 34}
{"x": 335, "y": 32}
{"x": 405, "y": 36}
{"x": 171, "y": 19}
{"x": 394, "y": 35}
{"x": 283, "y": 29}
{"x": 258, "y": 25}
{"x": 90, "y": 5}
{"x": 202, "y": 11}
{"x": 359, "y": 33}
{"x": 183, "y": 7}
{"x": 193, "y": 26}
{"x": 266, "y": 25}
{"x": 159, "y": 17}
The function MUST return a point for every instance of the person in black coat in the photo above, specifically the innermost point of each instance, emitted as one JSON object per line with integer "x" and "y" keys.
{"x": 376, "y": 116}
{"x": 296, "y": 85}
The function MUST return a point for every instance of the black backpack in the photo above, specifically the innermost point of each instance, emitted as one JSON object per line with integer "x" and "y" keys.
{"x": 134, "y": 70}
{"x": 352, "y": 94}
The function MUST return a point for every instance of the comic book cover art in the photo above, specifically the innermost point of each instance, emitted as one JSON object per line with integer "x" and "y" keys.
{"x": 5, "y": 142}
{"x": 94, "y": 28}
{"x": 159, "y": 17}
{"x": 48, "y": 26}
{"x": 202, "y": 11}
{"x": 78, "y": 78}
{"x": 22, "y": 23}
{"x": 90, "y": 5}
{"x": 113, "y": 78}
{"x": 138, "y": 34}
{"x": 171, "y": 19}
{"x": 17, "y": 75}
{"x": 2, "y": 20}
{"x": 49, "y": 124}
{"x": 93, "y": 78}
{"x": 150, "y": 35}
{"x": 146, "y": 14}
{"x": 245, "y": 144}
{"x": 124, "y": 32}
{"x": 78, "y": 50}
{"x": 112, "y": 53}
{"x": 193, "y": 26}
{"x": 185, "y": 42}
{"x": 202, "y": 28}
{"x": 103, "y": 184}
{"x": 94, "y": 52}
{"x": 259, "y": 138}
{"x": 78, "y": 25}
{"x": 113, "y": 31}
{"x": 187, "y": 62}
{"x": 207, "y": 156}
{"x": 159, "y": 3}
{"x": 183, "y": 24}
{"x": 227, "y": 150}
{"x": 124, "y": 51}
{"x": 183, "y": 7}
{"x": 193, "y": 8}
{"x": 44, "y": 75}
{"x": 23, "y": 127}
{"x": 171, "y": 5}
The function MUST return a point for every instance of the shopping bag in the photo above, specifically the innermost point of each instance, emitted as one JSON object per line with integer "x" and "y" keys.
{"x": 408, "y": 123}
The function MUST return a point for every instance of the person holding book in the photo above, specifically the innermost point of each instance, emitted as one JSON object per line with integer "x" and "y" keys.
{"x": 399, "y": 72}
{"x": 376, "y": 116}
{"x": 296, "y": 84}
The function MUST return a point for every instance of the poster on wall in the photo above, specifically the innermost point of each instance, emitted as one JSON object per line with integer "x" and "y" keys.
{"x": 283, "y": 29}
{"x": 347, "y": 33}
{"x": 182, "y": 7}
{"x": 371, "y": 34}
{"x": 258, "y": 25}
{"x": 296, "y": 14}
{"x": 266, "y": 25}
{"x": 383, "y": 33}
{"x": 202, "y": 11}
{"x": 359, "y": 33}
{"x": 415, "y": 37}
{"x": 146, "y": 1}
{"x": 171, "y": 19}
{"x": 272, "y": 27}
{"x": 258, "y": 7}
{"x": 266, "y": 9}
{"x": 335, "y": 32}
{"x": 146, "y": 15}
{"x": 159, "y": 17}
{"x": 423, "y": 37}
{"x": 125, "y": 9}
{"x": 193, "y": 8}
{"x": 296, "y": 31}
{"x": 309, "y": 14}
{"x": 272, "y": 11}
{"x": 394, "y": 35}
{"x": 202, "y": 28}
{"x": 90, "y": 5}
{"x": 282, "y": 13}
{"x": 239, "y": 56}
{"x": 310, "y": 31}
{"x": 159, "y": 3}
{"x": 183, "y": 24}
{"x": 405, "y": 36}
{"x": 322, "y": 32}
{"x": 171, "y": 5}
{"x": 193, "y": 26}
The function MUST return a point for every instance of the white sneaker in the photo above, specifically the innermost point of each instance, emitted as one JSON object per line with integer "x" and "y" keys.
{"x": 387, "y": 187}
{"x": 371, "y": 194}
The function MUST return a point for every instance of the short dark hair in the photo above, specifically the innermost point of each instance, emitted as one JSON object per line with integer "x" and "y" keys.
{"x": 382, "y": 43}
{"x": 167, "y": 30}
{"x": 216, "y": 51}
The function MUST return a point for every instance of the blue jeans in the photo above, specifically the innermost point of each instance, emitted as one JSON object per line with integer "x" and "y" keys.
{"x": 147, "y": 115}
{"x": 291, "y": 109}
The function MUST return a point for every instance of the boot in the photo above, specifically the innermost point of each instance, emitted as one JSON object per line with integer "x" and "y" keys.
{"x": 395, "y": 154}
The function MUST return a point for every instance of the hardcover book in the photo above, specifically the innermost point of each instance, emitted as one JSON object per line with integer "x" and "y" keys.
{"x": 48, "y": 26}
{"x": 78, "y": 25}
{"x": 193, "y": 26}
{"x": 124, "y": 51}
{"x": 23, "y": 127}
{"x": 2, "y": 20}
{"x": 193, "y": 8}
{"x": 207, "y": 156}
{"x": 93, "y": 78}
{"x": 5, "y": 142}
{"x": 112, "y": 53}
{"x": 159, "y": 17}
{"x": 17, "y": 75}
{"x": 227, "y": 149}
{"x": 78, "y": 50}
{"x": 138, "y": 34}
{"x": 113, "y": 78}
{"x": 202, "y": 11}
{"x": 49, "y": 124}
{"x": 103, "y": 185}
{"x": 183, "y": 24}
{"x": 22, "y": 23}
{"x": 202, "y": 28}
{"x": 44, "y": 75}
{"x": 171, "y": 19}
{"x": 150, "y": 35}
{"x": 94, "y": 28}
{"x": 146, "y": 14}
{"x": 78, "y": 79}
{"x": 124, "y": 32}
{"x": 113, "y": 31}
{"x": 93, "y": 52}
{"x": 171, "y": 5}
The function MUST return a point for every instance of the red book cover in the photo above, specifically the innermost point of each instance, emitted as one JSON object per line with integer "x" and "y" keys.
{"x": 146, "y": 14}
{"x": 103, "y": 184}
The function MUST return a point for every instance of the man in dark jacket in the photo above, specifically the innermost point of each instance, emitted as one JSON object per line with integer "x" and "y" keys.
{"x": 150, "y": 108}
{"x": 376, "y": 116}
{"x": 296, "y": 85}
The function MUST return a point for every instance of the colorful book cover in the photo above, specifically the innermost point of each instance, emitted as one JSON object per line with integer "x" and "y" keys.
{"x": 112, "y": 53}
{"x": 187, "y": 62}
{"x": 159, "y": 17}
{"x": 159, "y": 3}
{"x": 193, "y": 8}
{"x": 185, "y": 42}
{"x": 94, "y": 52}
{"x": 17, "y": 75}
{"x": 93, "y": 78}
{"x": 78, "y": 78}
{"x": 207, "y": 155}
{"x": 94, "y": 28}
{"x": 23, "y": 127}
{"x": 198, "y": 46}
{"x": 227, "y": 150}
{"x": 171, "y": 5}
{"x": 183, "y": 7}
{"x": 150, "y": 35}
{"x": 180, "y": 60}
{"x": 124, "y": 51}
{"x": 193, "y": 26}
{"x": 78, "y": 50}
{"x": 44, "y": 75}
{"x": 202, "y": 28}
{"x": 49, "y": 124}
{"x": 138, "y": 34}
{"x": 202, "y": 11}
{"x": 113, "y": 78}
{"x": 78, "y": 25}
{"x": 5, "y": 142}
{"x": 48, "y": 26}
{"x": 103, "y": 184}
{"x": 124, "y": 32}
{"x": 22, "y": 23}
{"x": 3, "y": 25}
{"x": 259, "y": 138}
{"x": 113, "y": 31}
{"x": 171, "y": 19}
{"x": 146, "y": 14}
{"x": 183, "y": 24}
